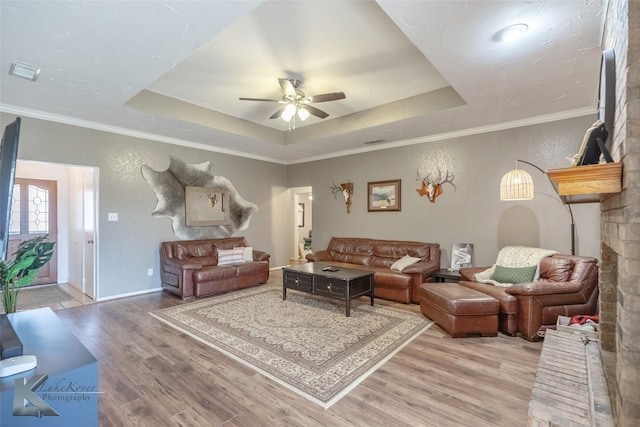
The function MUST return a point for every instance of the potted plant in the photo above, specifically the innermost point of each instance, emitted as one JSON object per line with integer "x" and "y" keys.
{"x": 23, "y": 269}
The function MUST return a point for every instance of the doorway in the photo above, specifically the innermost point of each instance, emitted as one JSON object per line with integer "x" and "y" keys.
{"x": 34, "y": 213}
{"x": 76, "y": 220}
{"x": 302, "y": 214}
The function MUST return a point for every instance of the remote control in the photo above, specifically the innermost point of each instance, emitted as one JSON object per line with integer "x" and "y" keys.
{"x": 15, "y": 365}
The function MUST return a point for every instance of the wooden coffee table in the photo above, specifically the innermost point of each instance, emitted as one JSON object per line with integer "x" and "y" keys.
{"x": 314, "y": 278}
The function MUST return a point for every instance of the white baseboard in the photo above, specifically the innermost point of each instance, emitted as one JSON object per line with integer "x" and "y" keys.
{"x": 129, "y": 294}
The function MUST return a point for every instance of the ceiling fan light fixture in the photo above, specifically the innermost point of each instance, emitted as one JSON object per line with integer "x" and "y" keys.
{"x": 303, "y": 113}
{"x": 288, "y": 112}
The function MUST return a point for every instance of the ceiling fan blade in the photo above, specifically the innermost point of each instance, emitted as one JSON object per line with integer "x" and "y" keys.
{"x": 277, "y": 114}
{"x": 287, "y": 87}
{"x": 327, "y": 97}
{"x": 259, "y": 99}
{"x": 316, "y": 111}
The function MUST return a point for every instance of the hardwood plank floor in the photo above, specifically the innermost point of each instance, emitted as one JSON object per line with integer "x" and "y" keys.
{"x": 153, "y": 375}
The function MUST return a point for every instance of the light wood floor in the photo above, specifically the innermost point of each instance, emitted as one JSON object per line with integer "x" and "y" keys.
{"x": 153, "y": 375}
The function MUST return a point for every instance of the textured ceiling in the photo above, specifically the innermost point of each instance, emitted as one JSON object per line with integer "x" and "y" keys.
{"x": 411, "y": 70}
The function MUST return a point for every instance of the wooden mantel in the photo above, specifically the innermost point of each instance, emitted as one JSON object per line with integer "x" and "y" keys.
{"x": 587, "y": 184}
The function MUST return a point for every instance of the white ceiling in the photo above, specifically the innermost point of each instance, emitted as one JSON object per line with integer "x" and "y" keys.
{"x": 412, "y": 71}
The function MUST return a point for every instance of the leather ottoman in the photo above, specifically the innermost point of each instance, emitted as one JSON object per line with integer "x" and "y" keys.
{"x": 459, "y": 310}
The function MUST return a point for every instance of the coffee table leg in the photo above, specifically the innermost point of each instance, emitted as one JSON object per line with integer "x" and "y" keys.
{"x": 284, "y": 293}
{"x": 371, "y": 287}
{"x": 348, "y": 304}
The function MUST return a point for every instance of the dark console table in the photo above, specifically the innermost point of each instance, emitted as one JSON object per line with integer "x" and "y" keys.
{"x": 344, "y": 284}
{"x": 68, "y": 375}
{"x": 444, "y": 275}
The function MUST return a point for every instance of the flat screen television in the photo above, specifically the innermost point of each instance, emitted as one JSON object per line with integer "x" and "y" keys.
{"x": 8, "y": 158}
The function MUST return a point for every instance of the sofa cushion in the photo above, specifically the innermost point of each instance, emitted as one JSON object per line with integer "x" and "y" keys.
{"x": 351, "y": 258}
{"x": 350, "y": 246}
{"x": 204, "y": 261}
{"x": 555, "y": 269}
{"x": 249, "y": 268}
{"x": 403, "y": 262}
{"x": 399, "y": 249}
{"x": 513, "y": 275}
{"x": 210, "y": 274}
{"x": 184, "y": 250}
{"x": 230, "y": 256}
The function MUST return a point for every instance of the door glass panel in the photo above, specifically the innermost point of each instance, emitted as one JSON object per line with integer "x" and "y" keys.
{"x": 38, "y": 210}
{"x": 14, "y": 222}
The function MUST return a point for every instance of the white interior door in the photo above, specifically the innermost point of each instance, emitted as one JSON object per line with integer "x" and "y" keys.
{"x": 89, "y": 246}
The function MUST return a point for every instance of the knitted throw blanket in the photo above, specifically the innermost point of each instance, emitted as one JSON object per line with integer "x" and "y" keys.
{"x": 514, "y": 257}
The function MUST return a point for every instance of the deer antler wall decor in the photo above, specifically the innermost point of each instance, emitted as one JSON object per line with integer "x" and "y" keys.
{"x": 346, "y": 189}
{"x": 432, "y": 180}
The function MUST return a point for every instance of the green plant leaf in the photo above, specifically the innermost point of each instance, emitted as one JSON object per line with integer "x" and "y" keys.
{"x": 22, "y": 270}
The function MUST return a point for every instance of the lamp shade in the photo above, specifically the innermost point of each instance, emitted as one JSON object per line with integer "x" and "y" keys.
{"x": 516, "y": 185}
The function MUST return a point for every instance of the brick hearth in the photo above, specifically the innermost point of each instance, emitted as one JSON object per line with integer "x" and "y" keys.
{"x": 570, "y": 387}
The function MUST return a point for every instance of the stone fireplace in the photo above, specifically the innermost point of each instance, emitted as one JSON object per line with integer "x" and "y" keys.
{"x": 620, "y": 222}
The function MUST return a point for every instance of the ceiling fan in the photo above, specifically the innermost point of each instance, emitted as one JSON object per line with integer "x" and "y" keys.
{"x": 297, "y": 102}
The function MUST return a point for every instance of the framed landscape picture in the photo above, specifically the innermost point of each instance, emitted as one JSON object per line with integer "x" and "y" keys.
{"x": 206, "y": 206}
{"x": 384, "y": 196}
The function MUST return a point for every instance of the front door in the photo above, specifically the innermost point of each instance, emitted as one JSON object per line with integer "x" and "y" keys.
{"x": 33, "y": 213}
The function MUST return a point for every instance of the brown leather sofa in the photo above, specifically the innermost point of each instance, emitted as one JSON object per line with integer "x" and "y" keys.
{"x": 189, "y": 268}
{"x": 568, "y": 286}
{"x": 378, "y": 256}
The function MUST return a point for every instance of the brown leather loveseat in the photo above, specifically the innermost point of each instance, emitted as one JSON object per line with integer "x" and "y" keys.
{"x": 378, "y": 256}
{"x": 567, "y": 286}
{"x": 190, "y": 268}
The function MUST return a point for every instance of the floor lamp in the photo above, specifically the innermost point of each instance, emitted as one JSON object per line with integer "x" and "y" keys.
{"x": 518, "y": 185}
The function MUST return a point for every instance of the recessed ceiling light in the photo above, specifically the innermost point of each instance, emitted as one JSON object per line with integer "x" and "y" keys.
{"x": 26, "y": 71}
{"x": 512, "y": 32}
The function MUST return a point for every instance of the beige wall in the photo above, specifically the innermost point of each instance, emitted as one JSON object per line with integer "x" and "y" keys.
{"x": 127, "y": 248}
{"x": 472, "y": 212}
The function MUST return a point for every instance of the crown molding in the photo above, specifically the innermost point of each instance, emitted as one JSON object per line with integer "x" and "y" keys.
{"x": 546, "y": 118}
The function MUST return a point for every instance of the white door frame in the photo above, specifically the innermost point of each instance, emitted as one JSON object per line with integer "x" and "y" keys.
{"x": 295, "y": 193}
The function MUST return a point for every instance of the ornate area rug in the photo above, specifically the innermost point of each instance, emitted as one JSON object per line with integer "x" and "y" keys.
{"x": 305, "y": 343}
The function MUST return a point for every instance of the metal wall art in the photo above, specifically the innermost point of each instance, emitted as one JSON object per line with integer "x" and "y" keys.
{"x": 433, "y": 172}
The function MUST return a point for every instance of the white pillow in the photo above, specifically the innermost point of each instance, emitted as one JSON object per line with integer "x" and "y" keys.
{"x": 404, "y": 262}
{"x": 247, "y": 252}
{"x": 230, "y": 256}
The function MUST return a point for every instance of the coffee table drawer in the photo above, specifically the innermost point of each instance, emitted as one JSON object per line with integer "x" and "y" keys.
{"x": 301, "y": 282}
{"x": 330, "y": 286}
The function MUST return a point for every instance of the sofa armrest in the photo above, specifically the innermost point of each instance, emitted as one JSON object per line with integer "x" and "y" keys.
{"x": 175, "y": 265}
{"x": 468, "y": 274}
{"x": 261, "y": 256}
{"x": 422, "y": 267}
{"x": 322, "y": 255}
{"x": 543, "y": 288}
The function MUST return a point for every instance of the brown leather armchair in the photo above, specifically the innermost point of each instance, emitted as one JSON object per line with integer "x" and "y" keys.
{"x": 568, "y": 286}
